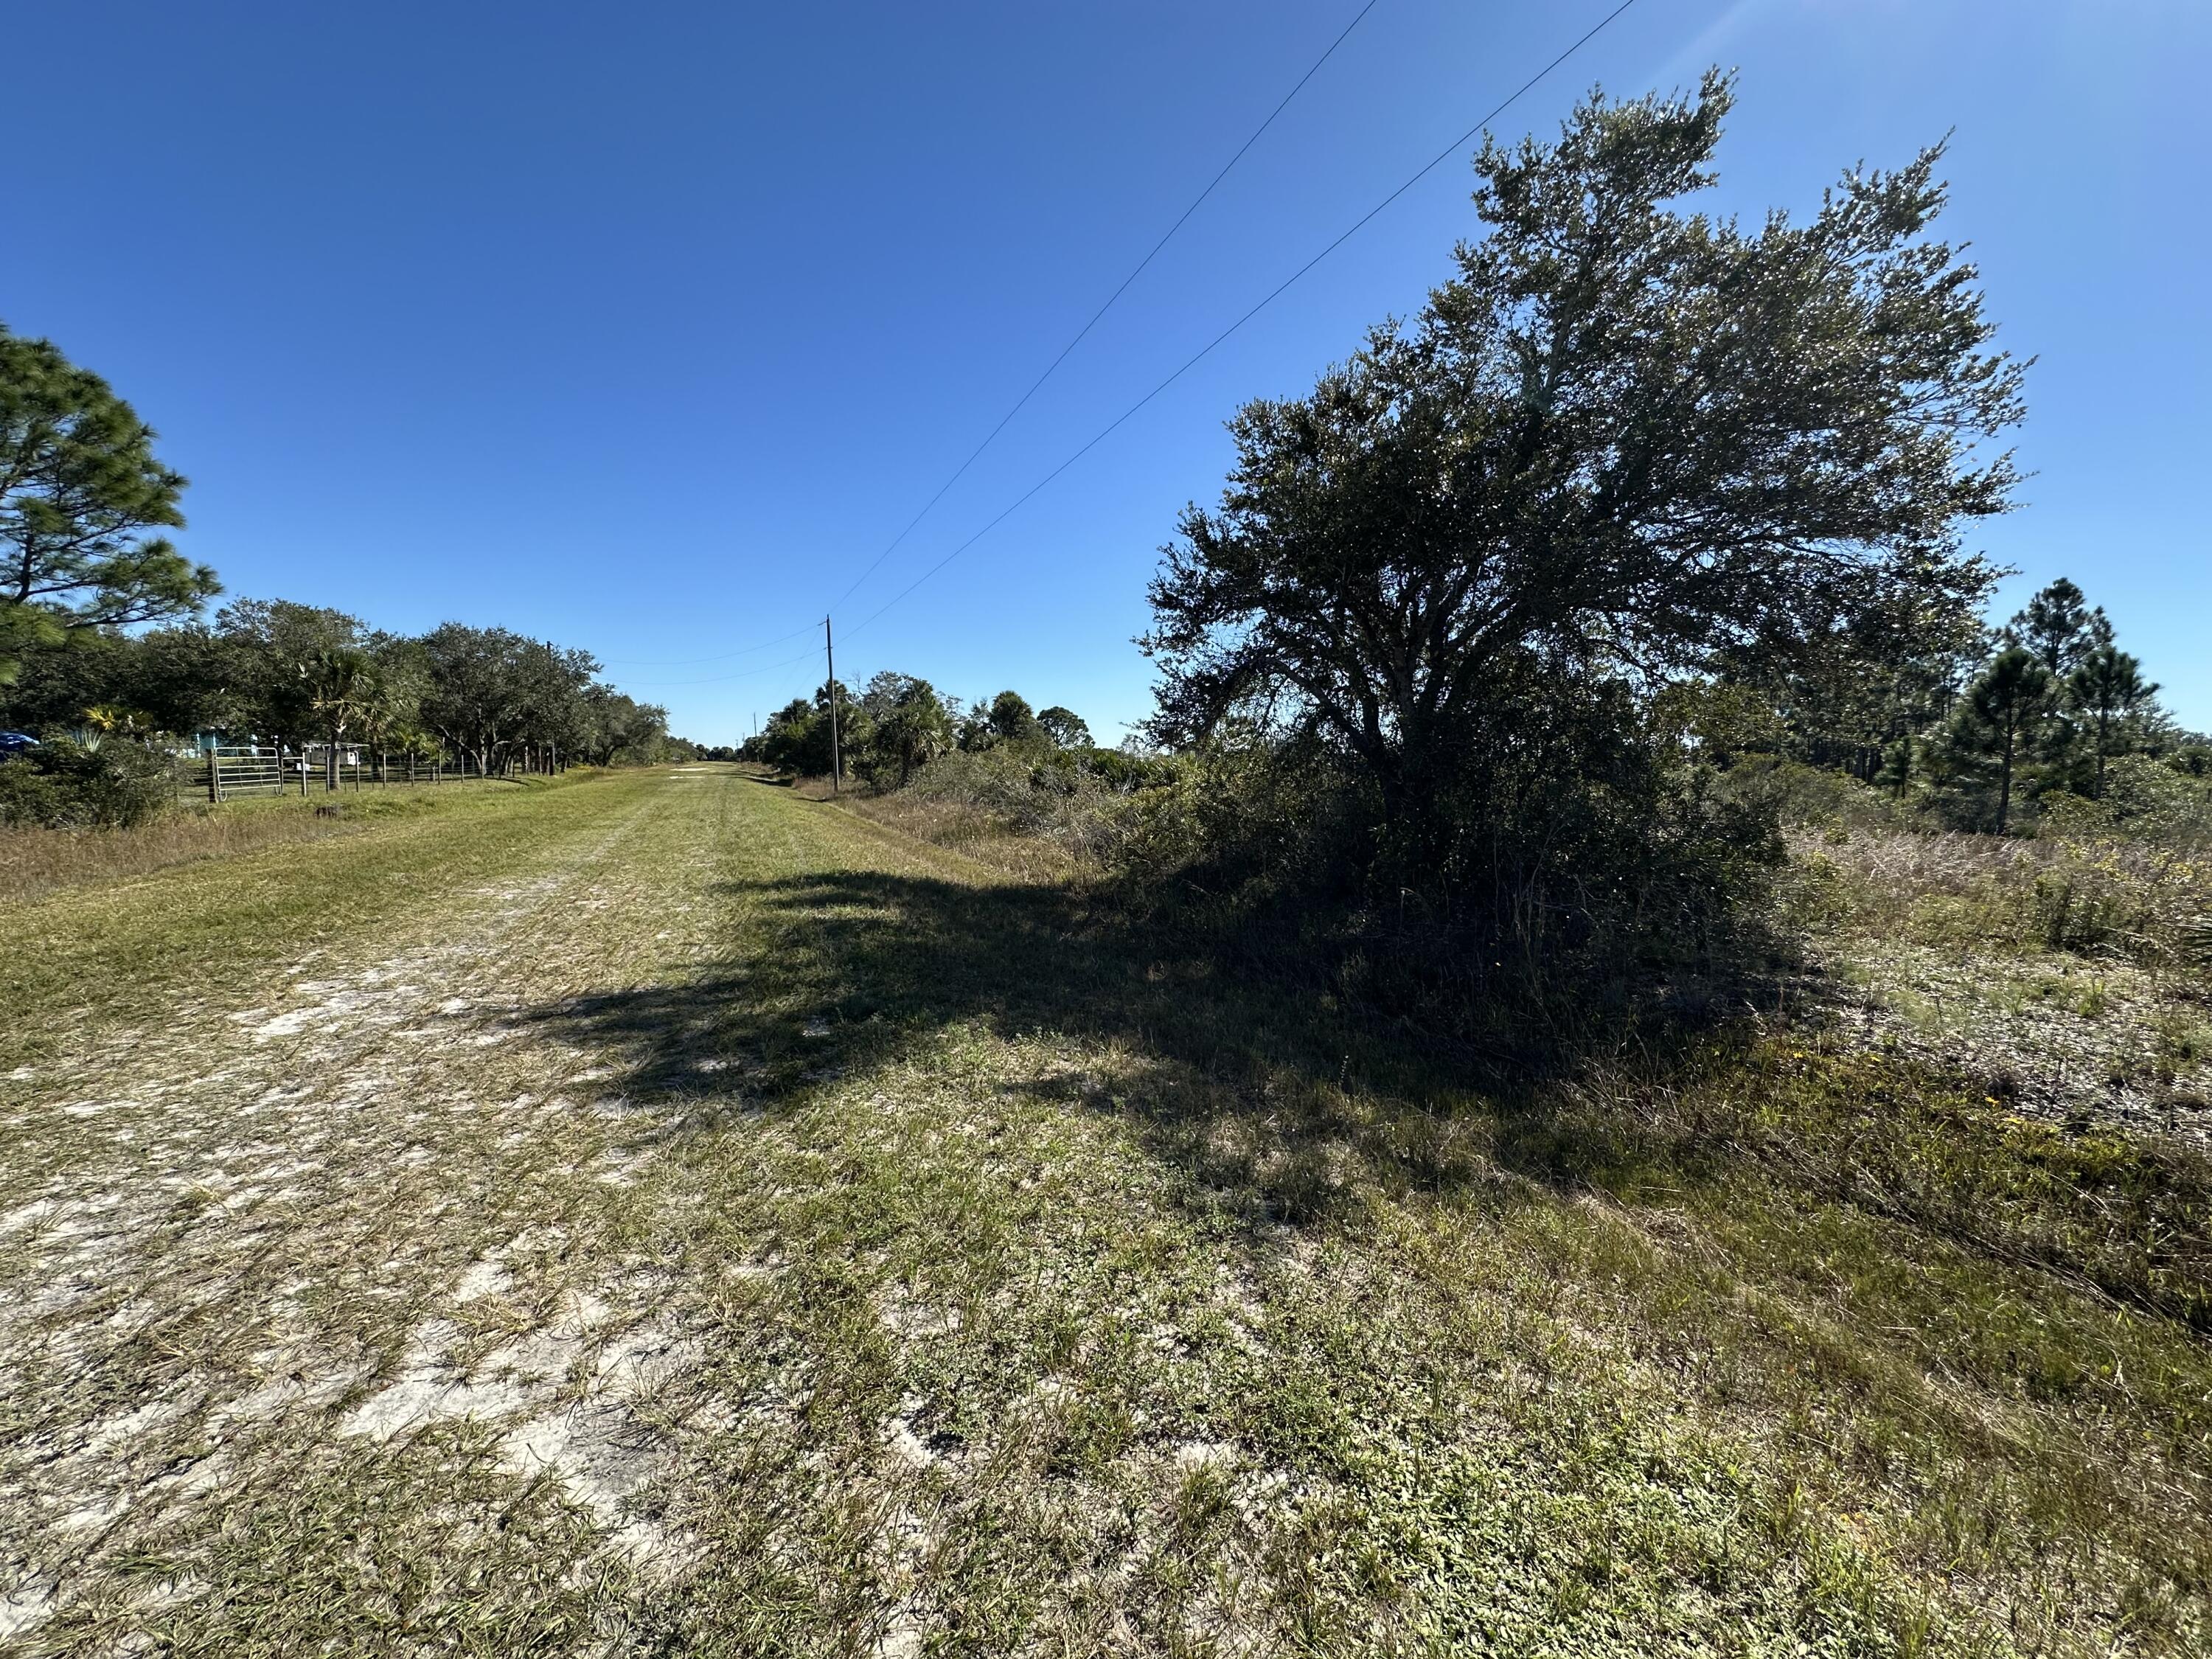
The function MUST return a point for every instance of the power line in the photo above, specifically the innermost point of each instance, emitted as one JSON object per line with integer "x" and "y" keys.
{"x": 1035, "y": 385}
{"x": 742, "y": 674}
{"x": 1272, "y": 295}
{"x": 720, "y": 656}
{"x": 1050, "y": 368}
{"x": 1358, "y": 225}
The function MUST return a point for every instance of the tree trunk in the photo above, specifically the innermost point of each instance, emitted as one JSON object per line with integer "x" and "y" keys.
{"x": 2004, "y": 789}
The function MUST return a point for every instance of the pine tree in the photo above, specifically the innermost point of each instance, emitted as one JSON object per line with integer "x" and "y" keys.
{"x": 2059, "y": 629}
{"x": 2106, "y": 691}
{"x": 78, "y": 484}
{"x": 2000, "y": 718}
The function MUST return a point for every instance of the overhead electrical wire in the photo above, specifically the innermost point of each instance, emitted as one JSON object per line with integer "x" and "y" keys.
{"x": 1207, "y": 349}
{"x": 1022, "y": 401}
{"x": 720, "y": 656}
{"x": 1050, "y": 368}
{"x": 742, "y": 674}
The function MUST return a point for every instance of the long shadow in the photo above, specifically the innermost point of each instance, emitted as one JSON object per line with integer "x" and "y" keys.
{"x": 1262, "y": 1084}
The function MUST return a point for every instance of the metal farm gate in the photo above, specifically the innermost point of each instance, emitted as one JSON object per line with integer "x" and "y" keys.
{"x": 236, "y": 771}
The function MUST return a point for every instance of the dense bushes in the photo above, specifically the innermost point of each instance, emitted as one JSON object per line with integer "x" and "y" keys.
{"x": 1569, "y": 871}
{"x": 67, "y": 785}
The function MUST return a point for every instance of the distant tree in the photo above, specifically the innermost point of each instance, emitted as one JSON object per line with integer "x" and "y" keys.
{"x": 884, "y": 692}
{"x": 1622, "y": 443}
{"x": 619, "y": 730}
{"x": 56, "y": 686}
{"x": 189, "y": 677}
{"x": 392, "y": 718}
{"x": 1065, "y": 727}
{"x": 2058, "y": 629}
{"x": 551, "y": 684}
{"x": 473, "y": 695}
{"x": 910, "y": 725}
{"x": 273, "y": 643}
{"x": 79, "y": 487}
{"x": 342, "y": 690}
{"x": 842, "y": 721}
{"x": 1013, "y": 719}
{"x": 413, "y": 744}
{"x": 798, "y": 736}
{"x": 1999, "y": 720}
{"x": 1856, "y": 687}
{"x": 972, "y": 733}
{"x": 2106, "y": 692}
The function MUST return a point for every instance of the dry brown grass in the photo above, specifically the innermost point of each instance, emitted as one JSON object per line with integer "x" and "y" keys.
{"x": 971, "y": 830}
{"x": 2090, "y": 891}
{"x": 33, "y": 861}
{"x": 2062, "y": 973}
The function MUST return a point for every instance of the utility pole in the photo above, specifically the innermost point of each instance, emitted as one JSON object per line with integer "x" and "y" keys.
{"x": 836, "y": 760}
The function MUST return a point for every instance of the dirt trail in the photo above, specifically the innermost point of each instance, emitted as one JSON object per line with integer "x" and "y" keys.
{"x": 233, "y": 1241}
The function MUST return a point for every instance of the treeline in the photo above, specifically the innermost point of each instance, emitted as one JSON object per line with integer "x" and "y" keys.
{"x": 287, "y": 675}
{"x": 1979, "y": 733}
{"x": 898, "y": 725}
{"x": 103, "y": 659}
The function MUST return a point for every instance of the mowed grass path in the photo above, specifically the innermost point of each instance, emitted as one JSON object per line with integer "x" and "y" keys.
{"x": 661, "y": 1214}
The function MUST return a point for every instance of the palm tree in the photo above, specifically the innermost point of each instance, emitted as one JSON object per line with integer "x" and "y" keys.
{"x": 111, "y": 720}
{"x": 342, "y": 688}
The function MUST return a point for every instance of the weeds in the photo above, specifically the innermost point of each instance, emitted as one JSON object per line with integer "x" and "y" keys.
{"x": 2094, "y": 893}
{"x": 682, "y": 1216}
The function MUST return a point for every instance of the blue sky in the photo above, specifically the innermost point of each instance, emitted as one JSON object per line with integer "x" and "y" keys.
{"x": 645, "y": 328}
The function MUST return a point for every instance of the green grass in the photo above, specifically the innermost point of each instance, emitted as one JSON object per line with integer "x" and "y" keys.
{"x": 963, "y": 1271}
{"x": 87, "y": 954}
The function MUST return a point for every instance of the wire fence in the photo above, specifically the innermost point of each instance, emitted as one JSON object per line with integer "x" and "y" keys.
{"x": 240, "y": 772}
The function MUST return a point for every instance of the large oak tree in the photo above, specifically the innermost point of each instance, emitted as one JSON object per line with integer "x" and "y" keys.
{"x": 1624, "y": 440}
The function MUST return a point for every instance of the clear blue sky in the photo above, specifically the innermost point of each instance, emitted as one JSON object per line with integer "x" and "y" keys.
{"x": 646, "y": 327}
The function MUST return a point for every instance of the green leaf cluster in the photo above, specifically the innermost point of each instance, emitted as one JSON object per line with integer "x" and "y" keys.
{"x": 80, "y": 487}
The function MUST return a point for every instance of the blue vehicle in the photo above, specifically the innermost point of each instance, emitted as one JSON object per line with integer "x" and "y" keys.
{"x": 13, "y": 744}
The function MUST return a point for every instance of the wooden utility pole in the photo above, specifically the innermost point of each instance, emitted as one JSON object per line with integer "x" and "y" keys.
{"x": 837, "y": 759}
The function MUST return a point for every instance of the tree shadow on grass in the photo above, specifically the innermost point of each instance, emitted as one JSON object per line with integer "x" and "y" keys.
{"x": 1268, "y": 1090}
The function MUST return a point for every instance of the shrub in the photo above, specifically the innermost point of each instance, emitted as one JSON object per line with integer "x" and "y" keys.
{"x": 1028, "y": 789}
{"x": 1579, "y": 871}
{"x": 1822, "y": 799}
{"x": 68, "y": 785}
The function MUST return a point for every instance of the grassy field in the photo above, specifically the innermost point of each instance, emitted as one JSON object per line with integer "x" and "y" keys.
{"x": 665, "y": 1214}
{"x": 37, "y": 861}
